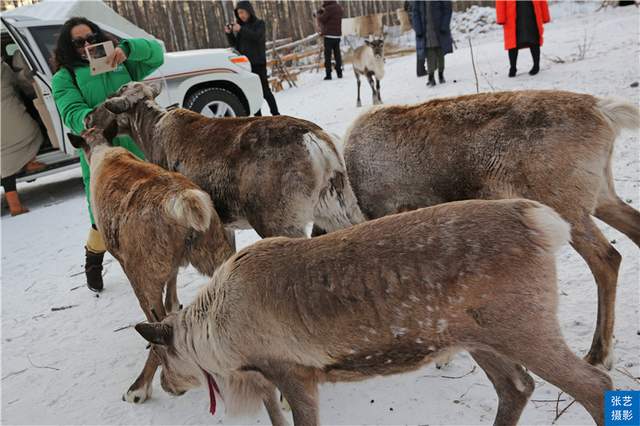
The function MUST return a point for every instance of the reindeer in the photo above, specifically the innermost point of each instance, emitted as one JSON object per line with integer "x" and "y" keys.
{"x": 368, "y": 60}
{"x": 153, "y": 222}
{"x": 274, "y": 174}
{"x": 379, "y": 298}
{"x": 551, "y": 146}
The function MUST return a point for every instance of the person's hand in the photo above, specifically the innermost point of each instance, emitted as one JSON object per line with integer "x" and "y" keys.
{"x": 236, "y": 28}
{"x": 227, "y": 28}
{"x": 117, "y": 57}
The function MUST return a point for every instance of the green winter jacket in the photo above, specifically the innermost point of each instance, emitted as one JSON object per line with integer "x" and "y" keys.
{"x": 75, "y": 101}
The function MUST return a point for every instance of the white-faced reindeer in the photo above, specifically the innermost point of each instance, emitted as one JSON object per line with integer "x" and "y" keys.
{"x": 551, "y": 146}
{"x": 274, "y": 174}
{"x": 153, "y": 222}
{"x": 368, "y": 60}
{"x": 383, "y": 297}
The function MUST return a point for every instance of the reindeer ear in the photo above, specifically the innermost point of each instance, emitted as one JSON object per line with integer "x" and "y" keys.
{"x": 77, "y": 141}
{"x": 157, "y": 333}
{"x": 367, "y": 42}
{"x": 156, "y": 88}
{"x": 117, "y": 105}
{"x": 111, "y": 131}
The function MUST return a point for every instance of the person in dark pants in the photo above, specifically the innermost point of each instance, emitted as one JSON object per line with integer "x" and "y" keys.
{"x": 523, "y": 25}
{"x": 421, "y": 55}
{"x": 431, "y": 22}
{"x": 247, "y": 35}
{"x": 329, "y": 18}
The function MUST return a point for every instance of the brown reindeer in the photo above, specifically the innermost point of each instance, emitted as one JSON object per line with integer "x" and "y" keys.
{"x": 153, "y": 222}
{"x": 275, "y": 174}
{"x": 550, "y": 146}
{"x": 379, "y": 298}
{"x": 368, "y": 60}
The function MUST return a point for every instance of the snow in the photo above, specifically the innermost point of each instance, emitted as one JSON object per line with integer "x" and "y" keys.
{"x": 71, "y": 366}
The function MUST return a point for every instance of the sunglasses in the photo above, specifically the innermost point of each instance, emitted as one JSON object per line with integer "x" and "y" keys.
{"x": 90, "y": 38}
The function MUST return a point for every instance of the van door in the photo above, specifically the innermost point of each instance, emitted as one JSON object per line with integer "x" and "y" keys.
{"x": 42, "y": 78}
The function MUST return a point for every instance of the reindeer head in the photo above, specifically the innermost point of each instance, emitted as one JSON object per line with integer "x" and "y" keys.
{"x": 179, "y": 372}
{"x": 93, "y": 138}
{"x": 377, "y": 44}
{"x": 130, "y": 96}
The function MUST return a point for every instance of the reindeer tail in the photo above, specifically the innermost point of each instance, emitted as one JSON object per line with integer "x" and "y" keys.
{"x": 191, "y": 208}
{"x": 620, "y": 113}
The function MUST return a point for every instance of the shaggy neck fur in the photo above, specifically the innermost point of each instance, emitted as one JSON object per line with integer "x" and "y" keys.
{"x": 145, "y": 120}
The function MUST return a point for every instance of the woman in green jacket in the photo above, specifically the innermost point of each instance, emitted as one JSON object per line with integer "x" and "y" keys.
{"x": 77, "y": 92}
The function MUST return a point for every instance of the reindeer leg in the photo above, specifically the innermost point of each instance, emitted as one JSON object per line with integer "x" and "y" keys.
{"x": 359, "y": 102}
{"x": 378, "y": 90}
{"x": 615, "y": 212}
{"x": 171, "y": 302}
{"x": 604, "y": 261}
{"x": 153, "y": 309}
{"x": 272, "y": 404}
{"x": 512, "y": 384}
{"x": 299, "y": 386}
{"x": 545, "y": 353}
{"x": 231, "y": 237}
{"x": 374, "y": 93}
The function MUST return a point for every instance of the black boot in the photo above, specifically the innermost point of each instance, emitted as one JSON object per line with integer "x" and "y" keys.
{"x": 535, "y": 55}
{"x": 432, "y": 81}
{"x": 513, "y": 60}
{"x": 93, "y": 270}
{"x": 441, "y": 79}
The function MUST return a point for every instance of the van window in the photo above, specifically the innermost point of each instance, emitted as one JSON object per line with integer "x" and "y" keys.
{"x": 46, "y": 38}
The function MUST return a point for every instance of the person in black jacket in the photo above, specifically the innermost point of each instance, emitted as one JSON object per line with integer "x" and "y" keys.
{"x": 330, "y": 22}
{"x": 247, "y": 35}
{"x": 431, "y": 22}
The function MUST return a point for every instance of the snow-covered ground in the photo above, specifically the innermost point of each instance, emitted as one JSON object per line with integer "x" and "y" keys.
{"x": 72, "y": 366}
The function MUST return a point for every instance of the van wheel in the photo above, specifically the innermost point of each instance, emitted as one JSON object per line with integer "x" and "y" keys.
{"x": 215, "y": 102}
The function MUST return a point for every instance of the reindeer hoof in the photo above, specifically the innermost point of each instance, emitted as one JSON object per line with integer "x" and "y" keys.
{"x": 596, "y": 359}
{"x": 443, "y": 360}
{"x": 358, "y": 104}
{"x": 137, "y": 396}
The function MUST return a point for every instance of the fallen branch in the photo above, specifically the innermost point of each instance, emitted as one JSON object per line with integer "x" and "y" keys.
{"x": 558, "y": 403}
{"x": 123, "y": 328}
{"x": 628, "y": 374}
{"x": 468, "y": 389}
{"x": 473, "y": 62}
{"x": 62, "y": 308}
{"x": 41, "y": 366}
{"x": 77, "y": 287}
{"x": 15, "y": 373}
{"x": 558, "y": 414}
{"x": 548, "y": 400}
{"x": 460, "y": 377}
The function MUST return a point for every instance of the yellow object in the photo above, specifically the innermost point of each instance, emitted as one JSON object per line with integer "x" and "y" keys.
{"x": 95, "y": 243}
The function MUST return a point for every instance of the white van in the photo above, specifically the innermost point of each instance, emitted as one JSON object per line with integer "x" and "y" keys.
{"x": 213, "y": 82}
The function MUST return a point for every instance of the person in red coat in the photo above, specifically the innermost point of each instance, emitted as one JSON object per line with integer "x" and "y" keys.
{"x": 523, "y": 24}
